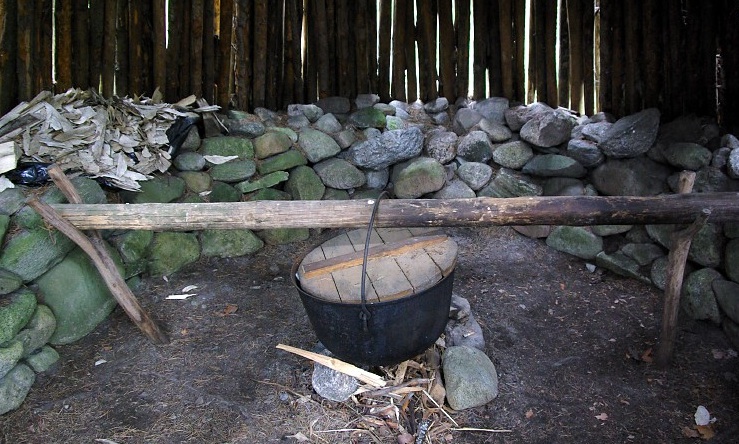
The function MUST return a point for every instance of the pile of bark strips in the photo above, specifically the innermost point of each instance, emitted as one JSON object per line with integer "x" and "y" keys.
{"x": 119, "y": 140}
{"x": 405, "y": 405}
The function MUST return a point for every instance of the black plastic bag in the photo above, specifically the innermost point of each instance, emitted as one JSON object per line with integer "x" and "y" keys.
{"x": 177, "y": 133}
{"x": 29, "y": 173}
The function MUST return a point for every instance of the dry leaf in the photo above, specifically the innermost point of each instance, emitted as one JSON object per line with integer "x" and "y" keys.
{"x": 529, "y": 413}
{"x": 647, "y": 355}
{"x": 602, "y": 416}
{"x": 690, "y": 433}
{"x": 230, "y": 309}
{"x": 438, "y": 392}
{"x": 706, "y": 431}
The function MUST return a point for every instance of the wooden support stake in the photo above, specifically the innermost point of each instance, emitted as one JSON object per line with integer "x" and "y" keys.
{"x": 679, "y": 249}
{"x": 95, "y": 248}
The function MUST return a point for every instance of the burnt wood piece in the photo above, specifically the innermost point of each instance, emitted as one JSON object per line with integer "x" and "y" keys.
{"x": 560, "y": 210}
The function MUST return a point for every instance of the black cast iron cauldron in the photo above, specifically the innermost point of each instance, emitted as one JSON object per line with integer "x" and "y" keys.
{"x": 396, "y": 330}
{"x": 381, "y": 333}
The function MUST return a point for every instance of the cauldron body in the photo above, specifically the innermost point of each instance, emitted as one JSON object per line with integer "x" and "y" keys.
{"x": 396, "y": 330}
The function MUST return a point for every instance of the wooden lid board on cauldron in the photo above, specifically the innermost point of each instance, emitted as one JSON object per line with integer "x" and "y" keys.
{"x": 401, "y": 262}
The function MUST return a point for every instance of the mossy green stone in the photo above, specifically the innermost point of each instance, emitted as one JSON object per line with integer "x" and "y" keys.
{"x": 38, "y": 330}
{"x": 89, "y": 190}
{"x": 334, "y": 194}
{"x": 577, "y": 241}
{"x": 269, "y": 194}
{"x": 229, "y": 243}
{"x": 267, "y": 181}
{"x": 279, "y": 236}
{"x": 14, "y": 387}
{"x": 368, "y": 118}
{"x": 29, "y": 254}
{"x": 10, "y": 353}
{"x": 11, "y": 200}
{"x": 42, "y": 359}
{"x": 189, "y": 161}
{"x": 223, "y": 192}
{"x": 16, "y": 310}
{"x": 270, "y": 144}
{"x": 133, "y": 247}
{"x": 196, "y": 181}
{"x": 77, "y": 295}
{"x": 284, "y": 130}
{"x": 304, "y": 184}
{"x": 192, "y": 198}
{"x": 160, "y": 189}
{"x": 227, "y": 146}
{"x": 171, "y": 251}
{"x": 234, "y": 171}
{"x": 9, "y": 282}
{"x": 281, "y": 162}
{"x": 4, "y": 223}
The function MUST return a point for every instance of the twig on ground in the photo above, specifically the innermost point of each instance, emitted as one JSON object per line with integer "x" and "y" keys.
{"x": 441, "y": 408}
{"x": 473, "y": 429}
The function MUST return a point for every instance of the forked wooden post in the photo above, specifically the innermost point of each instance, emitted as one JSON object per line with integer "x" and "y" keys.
{"x": 679, "y": 248}
{"x": 98, "y": 253}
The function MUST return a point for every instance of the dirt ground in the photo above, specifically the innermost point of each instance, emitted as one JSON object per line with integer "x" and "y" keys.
{"x": 571, "y": 350}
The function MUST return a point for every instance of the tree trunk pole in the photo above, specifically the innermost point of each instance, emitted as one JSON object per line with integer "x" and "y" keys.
{"x": 224, "y": 53}
{"x": 475, "y": 212}
{"x": 506, "y": 47}
{"x": 462, "y": 35}
{"x": 63, "y": 46}
{"x": 109, "y": 47}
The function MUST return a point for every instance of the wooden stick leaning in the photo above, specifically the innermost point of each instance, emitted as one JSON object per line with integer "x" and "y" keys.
{"x": 338, "y": 365}
{"x": 679, "y": 248}
{"x": 95, "y": 248}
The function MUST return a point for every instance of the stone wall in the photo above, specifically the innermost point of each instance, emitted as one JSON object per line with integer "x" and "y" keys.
{"x": 50, "y": 294}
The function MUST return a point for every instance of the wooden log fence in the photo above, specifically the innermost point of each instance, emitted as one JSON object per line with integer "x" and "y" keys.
{"x": 586, "y": 55}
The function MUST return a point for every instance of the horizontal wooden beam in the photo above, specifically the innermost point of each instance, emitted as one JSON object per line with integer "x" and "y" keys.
{"x": 483, "y": 211}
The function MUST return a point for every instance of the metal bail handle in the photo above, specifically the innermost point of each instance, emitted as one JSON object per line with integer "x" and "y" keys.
{"x": 365, "y": 314}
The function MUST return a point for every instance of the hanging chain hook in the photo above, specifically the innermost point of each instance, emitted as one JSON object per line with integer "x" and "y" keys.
{"x": 365, "y": 314}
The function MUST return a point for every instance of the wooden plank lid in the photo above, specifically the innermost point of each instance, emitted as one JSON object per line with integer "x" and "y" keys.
{"x": 401, "y": 261}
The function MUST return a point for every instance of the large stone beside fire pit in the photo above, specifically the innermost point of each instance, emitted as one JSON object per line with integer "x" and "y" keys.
{"x": 470, "y": 378}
